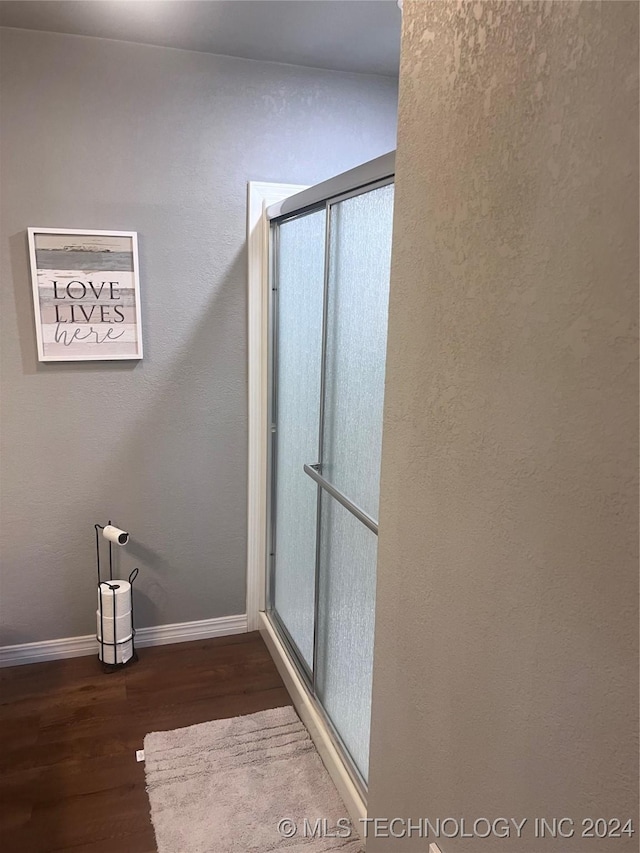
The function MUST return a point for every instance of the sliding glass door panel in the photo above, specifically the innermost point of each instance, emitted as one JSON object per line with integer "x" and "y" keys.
{"x": 358, "y": 296}
{"x": 330, "y": 305}
{"x": 298, "y": 365}
{"x": 346, "y": 608}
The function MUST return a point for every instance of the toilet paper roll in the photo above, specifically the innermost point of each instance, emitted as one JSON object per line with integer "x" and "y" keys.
{"x": 116, "y": 654}
{"x": 114, "y": 534}
{"x": 115, "y": 592}
{"x": 114, "y": 632}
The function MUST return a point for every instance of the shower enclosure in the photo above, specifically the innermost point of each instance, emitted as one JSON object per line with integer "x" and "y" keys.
{"x": 330, "y": 256}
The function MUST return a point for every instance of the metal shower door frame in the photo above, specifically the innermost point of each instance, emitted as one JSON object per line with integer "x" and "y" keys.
{"x": 366, "y": 178}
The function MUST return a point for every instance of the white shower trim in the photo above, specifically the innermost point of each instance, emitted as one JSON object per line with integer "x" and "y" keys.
{"x": 158, "y": 635}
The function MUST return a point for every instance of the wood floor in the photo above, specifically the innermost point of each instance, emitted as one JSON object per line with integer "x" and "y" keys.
{"x": 69, "y": 780}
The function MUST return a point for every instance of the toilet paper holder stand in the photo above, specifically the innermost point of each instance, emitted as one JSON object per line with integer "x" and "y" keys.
{"x": 110, "y": 667}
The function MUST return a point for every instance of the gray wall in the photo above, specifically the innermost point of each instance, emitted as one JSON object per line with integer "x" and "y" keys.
{"x": 108, "y": 135}
{"x": 506, "y": 660}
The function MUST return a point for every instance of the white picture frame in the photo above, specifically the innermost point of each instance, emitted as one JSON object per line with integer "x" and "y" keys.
{"x": 86, "y": 294}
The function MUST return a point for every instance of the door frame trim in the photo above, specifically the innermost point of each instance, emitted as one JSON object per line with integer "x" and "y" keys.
{"x": 260, "y": 195}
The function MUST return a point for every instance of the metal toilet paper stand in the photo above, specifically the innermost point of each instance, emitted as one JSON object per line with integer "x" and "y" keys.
{"x": 111, "y": 667}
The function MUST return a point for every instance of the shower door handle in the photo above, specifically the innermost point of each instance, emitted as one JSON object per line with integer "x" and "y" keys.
{"x": 314, "y": 472}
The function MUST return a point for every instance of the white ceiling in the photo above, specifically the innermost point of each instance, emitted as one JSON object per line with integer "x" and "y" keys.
{"x": 344, "y": 35}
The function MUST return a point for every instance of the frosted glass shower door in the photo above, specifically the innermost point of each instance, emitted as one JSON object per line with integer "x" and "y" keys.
{"x": 357, "y": 309}
{"x": 330, "y": 305}
{"x": 297, "y": 374}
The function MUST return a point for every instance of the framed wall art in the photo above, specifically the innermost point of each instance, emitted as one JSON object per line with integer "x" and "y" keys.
{"x": 86, "y": 294}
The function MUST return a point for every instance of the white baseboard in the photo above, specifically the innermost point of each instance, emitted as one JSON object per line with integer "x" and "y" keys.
{"x": 181, "y": 632}
{"x": 159, "y": 635}
{"x": 316, "y": 726}
{"x": 68, "y": 647}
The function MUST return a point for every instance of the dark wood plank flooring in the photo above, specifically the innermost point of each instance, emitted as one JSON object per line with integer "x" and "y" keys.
{"x": 69, "y": 780}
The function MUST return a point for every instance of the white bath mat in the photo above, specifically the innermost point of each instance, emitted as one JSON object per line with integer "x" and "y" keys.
{"x": 243, "y": 785}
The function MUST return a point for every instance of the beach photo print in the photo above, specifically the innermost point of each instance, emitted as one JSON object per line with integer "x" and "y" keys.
{"x": 86, "y": 294}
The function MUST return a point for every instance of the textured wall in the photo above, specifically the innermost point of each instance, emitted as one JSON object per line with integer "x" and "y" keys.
{"x": 108, "y": 135}
{"x": 506, "y": 664}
